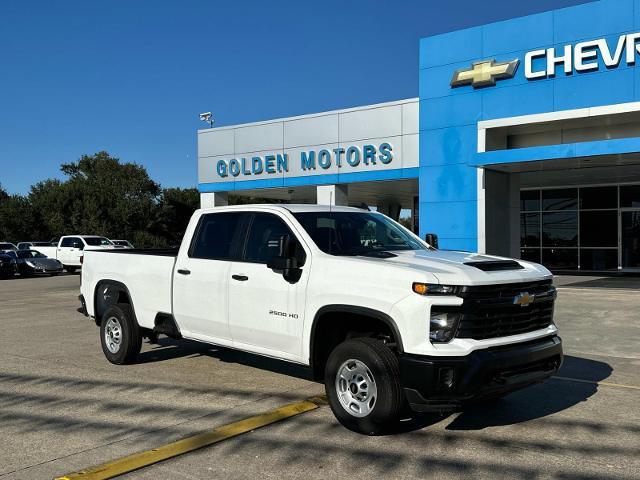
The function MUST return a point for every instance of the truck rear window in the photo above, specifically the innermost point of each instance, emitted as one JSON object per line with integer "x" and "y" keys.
{"x": 216, "y": 235}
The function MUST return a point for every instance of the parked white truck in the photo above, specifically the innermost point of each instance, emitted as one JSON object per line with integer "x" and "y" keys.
{"x": 71, "y": 249}
{"x": 383, "y": 318}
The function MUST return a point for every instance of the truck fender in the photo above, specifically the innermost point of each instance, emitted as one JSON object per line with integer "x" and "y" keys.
{"x": 353, "y": 309}
{"x": 104, "y": 299}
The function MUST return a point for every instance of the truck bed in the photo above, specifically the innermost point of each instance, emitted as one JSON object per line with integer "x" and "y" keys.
{"x": 147, "y": 275}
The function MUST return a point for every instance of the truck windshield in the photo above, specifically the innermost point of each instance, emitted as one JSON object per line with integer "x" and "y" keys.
{"x": 97, "y": 241}
{"x": 355, "y": 233}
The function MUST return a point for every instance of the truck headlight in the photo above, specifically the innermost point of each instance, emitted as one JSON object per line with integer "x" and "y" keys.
{"x": 435, "y": 289}
{"x": 442, "y": 326}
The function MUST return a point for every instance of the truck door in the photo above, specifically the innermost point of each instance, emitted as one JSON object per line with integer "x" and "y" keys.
{"x": 201, "y": 277}
{"x": 266, "y": 311}
{"x": 70, "y": 251}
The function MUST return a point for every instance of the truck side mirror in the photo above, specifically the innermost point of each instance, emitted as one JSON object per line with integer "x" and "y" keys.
{"x": 431, "y": 239}
{"x": 286, "y": 261}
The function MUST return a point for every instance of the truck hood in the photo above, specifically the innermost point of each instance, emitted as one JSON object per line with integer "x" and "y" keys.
{"x": 452, "y": 267}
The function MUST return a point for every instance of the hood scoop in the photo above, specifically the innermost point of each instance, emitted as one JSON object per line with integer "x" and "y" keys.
{"x": 496, "y": 265}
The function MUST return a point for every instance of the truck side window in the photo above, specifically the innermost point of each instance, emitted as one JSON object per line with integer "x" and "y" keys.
{"x": 67, "y": 242}
{"x": 264, "y": 235}
{"x": 217, "y": 236}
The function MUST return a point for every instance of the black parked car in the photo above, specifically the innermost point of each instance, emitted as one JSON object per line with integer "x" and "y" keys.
{"x": 7, "y": 266}
{"x": 32, "y": 262}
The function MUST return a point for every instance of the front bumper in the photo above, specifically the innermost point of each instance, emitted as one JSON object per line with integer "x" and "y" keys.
{"x": 447, "y": 383}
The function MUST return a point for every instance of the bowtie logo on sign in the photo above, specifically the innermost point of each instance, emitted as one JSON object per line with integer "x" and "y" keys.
{"x": 485, "y": 73}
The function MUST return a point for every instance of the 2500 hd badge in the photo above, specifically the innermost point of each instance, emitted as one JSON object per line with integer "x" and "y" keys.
{"x": 389, "y": 323}
{"x": 283, "y": 314}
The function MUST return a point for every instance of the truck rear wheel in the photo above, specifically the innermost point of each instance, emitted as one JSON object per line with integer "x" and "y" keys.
{"x": 120, "y": 334}
{"x": 71, "y": 270}
{"x": 362, "y": 381}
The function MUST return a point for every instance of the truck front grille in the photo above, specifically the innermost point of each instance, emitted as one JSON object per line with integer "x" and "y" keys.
{"x": 490, "y": 311}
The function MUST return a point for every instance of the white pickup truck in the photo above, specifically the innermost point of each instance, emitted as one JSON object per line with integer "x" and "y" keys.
{"x": 383, "y": 318}
{"x": 71, "y": 249}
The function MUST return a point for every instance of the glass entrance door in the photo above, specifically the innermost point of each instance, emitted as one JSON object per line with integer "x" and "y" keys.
{"x": 630, "y": 238}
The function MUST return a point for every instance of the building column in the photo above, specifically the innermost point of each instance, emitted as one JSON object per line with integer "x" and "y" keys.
{"x": 214, "y": 199}
{"x": 499, "y": 214}
{"x": 332, "y": 195}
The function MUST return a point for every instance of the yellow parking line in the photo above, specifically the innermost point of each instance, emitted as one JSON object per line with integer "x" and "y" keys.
{"x": 149, "y": 457}
{"x": 607, "y": 384}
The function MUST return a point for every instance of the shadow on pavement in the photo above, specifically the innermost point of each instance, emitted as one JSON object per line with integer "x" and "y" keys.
{"x": 552, "y": 396}
{"x": 531, "y": 403}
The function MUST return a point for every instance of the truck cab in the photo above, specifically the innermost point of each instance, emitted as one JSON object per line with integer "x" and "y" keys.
{"x": 387, "y": 321}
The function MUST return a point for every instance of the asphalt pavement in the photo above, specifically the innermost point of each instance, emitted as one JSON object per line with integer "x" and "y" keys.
{"x": 63, "y": 407}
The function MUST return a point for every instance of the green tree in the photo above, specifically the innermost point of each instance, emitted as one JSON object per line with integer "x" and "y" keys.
{"x": 174, "y": 212}
{"x": 101, "y": 196}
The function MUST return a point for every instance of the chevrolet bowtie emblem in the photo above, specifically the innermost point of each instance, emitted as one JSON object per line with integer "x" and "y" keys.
{"x": 523, "y": 299}
{"x": 485, "y": 73}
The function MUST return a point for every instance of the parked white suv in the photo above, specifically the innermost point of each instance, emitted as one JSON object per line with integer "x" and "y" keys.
{"x": 382, "y": 317}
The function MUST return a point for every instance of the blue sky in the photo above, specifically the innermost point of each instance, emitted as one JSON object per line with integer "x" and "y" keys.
{"x": 130, "y": 77}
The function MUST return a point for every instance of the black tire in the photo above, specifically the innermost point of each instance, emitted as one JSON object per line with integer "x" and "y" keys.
{"x": 130, "y": 339}
{"x": 71, "y": 270}
{"x": 383, "y": 365}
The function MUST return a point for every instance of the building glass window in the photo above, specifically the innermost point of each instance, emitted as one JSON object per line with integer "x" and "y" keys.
{"x": 530, "y": 200}
{"x": 590, "y": 228}
{"x": 630, "y": 196}
{"x": 560, "y": 229}
{"x": 598, "y": 197}
{"x": 530, "y": 254}
{"x": 599, "y": 228}
{"x": 598, "y": 259}
{"x": 530, "y": 230}
{"x": 560, "y": 258}
{"x": 560, "y": 199}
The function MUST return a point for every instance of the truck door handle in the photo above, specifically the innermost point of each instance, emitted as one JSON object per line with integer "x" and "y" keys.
{"x": 184, "y": 272}
{"x": 240, "y": 278}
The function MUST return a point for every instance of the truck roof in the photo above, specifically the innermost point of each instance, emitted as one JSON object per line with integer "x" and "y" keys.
{"x": 294, "y": 208}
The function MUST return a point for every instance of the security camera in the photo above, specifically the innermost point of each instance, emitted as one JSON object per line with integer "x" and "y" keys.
{"x": 207, "y": 117}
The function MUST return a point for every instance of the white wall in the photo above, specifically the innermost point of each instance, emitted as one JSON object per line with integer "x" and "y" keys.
{"x": 394, "y": 122}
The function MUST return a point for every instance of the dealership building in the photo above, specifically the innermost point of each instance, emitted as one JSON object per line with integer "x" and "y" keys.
{"x": 524, "y": 141}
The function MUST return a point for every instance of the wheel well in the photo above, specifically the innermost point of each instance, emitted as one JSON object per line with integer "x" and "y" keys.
{"x": 333, "y": 327}
{"x": 108, "y": 293}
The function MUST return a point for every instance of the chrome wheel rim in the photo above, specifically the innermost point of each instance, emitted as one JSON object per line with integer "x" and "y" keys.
{"x": 113, "y": 334}
{"x": 356, "y": 388}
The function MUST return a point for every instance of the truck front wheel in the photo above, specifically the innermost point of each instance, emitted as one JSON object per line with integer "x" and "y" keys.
{"x": 362, "y": 381}
{"x": 120, "y": 334}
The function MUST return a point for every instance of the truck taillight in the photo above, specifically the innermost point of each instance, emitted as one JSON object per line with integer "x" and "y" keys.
{"x": 81, "y": 259}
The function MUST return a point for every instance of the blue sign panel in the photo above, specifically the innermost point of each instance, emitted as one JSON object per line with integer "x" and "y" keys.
{"x": 578, "y": 57}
